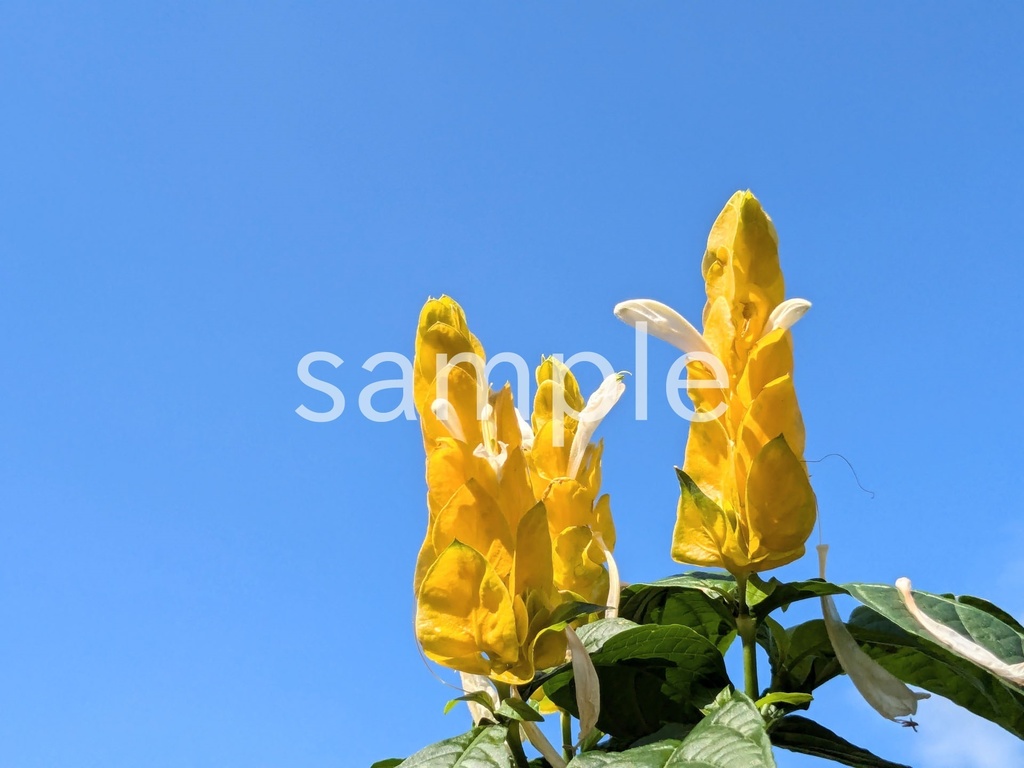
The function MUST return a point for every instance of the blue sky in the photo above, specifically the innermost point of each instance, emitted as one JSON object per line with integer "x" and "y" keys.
{"x": 193, "y": 197}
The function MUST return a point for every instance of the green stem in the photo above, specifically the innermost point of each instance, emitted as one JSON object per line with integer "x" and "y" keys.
{"x": 746, "y": 625}
{"x": 567, "y": 748}
{"x": 515, "y": 745}
{"x": 513, "y": 738}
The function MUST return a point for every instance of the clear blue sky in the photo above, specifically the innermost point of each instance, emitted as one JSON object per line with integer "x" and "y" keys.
{"x": 193, "y": 197}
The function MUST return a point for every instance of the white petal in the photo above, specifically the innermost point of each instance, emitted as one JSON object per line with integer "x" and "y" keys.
{"x": 786, "y": 314}
{"x": 886, "y": 693}
{"x": 496, "y": 460}
{"x": 597, "y": 407}
{"x": 444, "y": 412}
{"x": 588, "y": 688}
{"x": 614, "y": 585}
{"x": 472, "y": 684}
{"x": 957, "y": 643}
{"x": 540, "y": 741}
{"x": 663, "y": 323}
{"x": 526, "y": 430}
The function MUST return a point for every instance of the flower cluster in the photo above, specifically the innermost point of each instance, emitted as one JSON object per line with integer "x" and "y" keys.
{"x": 565, "y": 470}
{"x": 519, "y": 540}
{"x": 515, "y": 528}
{"x": 746, "y": 502}
{"x": 518, "y": 551}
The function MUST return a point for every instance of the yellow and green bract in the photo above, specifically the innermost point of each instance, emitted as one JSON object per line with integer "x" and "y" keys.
{"x": 509, "y": 536}
{"x": 746, "y": 503}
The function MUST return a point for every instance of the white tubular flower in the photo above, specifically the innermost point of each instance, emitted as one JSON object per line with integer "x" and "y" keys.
{"x": 540, "y": 741}
{"x": 492, "y": 450}
{"x": 474, "y": 684}
{"x": 593, "y": 413}
{"x": 887, "y": 694}
{"x": 536, "y": 737}
{"x": 957, "y": 643}
{"x": 786, "y": 314}
{"x": 663, "y": 323}
{"x": 614, "y": 584}
{"x": 525, "y": 430}
{"x": 447, "y": 415}
{"x": 588, "y": 688}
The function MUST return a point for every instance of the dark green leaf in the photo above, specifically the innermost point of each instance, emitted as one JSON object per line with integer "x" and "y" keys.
{"x": 781, "y": 697}
{"x": 994, "y": 610}
{"x": 594, "y": 635}
{"x": 731, "y": 736}
{"x": 482, "y": 747}
{"x": 478, "y": 697}
{"x": 798, "y": 734}
{"x": 391, "y": 762}
{"x": 566, "y": 612}
{"x": 712, "y": 584}
{"x": 670, "y": 732}
{"x": 773, "y": 638}
{"x": 985, "y": 627}
{"x": 517, "y": 709}
{"x": 802, "y": 658}
{"x": 699, "y": 600}
{"x": 763, "y": 597}
{"x": 591, "y": 739}
{"x": 650, "y": 675}
{"x": 654, "y": 755}
{"x": 894, "y": 638}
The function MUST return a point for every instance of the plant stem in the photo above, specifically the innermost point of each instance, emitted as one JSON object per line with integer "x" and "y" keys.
{"x": 515, "y": 745}
{"x": 746, "y": 625}
{"x": 514, "y": 738}
{"x": 567, "y": 749}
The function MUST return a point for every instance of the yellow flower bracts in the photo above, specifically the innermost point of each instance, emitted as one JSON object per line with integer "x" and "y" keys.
{"x": 567, "y": 478}
{"x": 746, "y": 502}
{"x": 488, "y": 576}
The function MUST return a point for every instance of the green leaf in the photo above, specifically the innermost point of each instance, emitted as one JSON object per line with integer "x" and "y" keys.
{"x": 773, "y": 638}
{"x": 781, "y": 697}
{"x": 994, "y": 610}
{"x": 896, "y": 641}
{"x": 670, "y": 732}
{"x": 712, "y": 584}
{"x": 517, "y": 709}
{"x": 798, "y": 734}
{"x": 987, "y": 628}
{"x": 391, "y": 762}
{"x": 804, "y": 660}
{"x": 702, "y": 601}
{"x": 763, "y": 597}
{"x": 654, "y": 755}
{"x": 801, "y": 657}
{"x": 482, "y": 747}
{"x": 478, "y": 697}
{"x": 731, "y": 736}
{"x": 566, "y": 612}
{"x": 594, "y": 635}
{"x": 591, "y": 739}
{"x": 650, "y": 675}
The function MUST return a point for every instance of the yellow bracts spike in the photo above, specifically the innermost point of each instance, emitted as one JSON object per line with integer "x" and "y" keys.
{"x": 509, "y": 534}
{"x": 576, "y": 510}
{"x": 746, "y": 502}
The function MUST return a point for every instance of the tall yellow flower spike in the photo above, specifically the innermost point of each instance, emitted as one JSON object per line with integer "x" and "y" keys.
{"x": 566, "y": 472}
{"x": 746, "y": 502}
{"x": 484, "y": 582}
